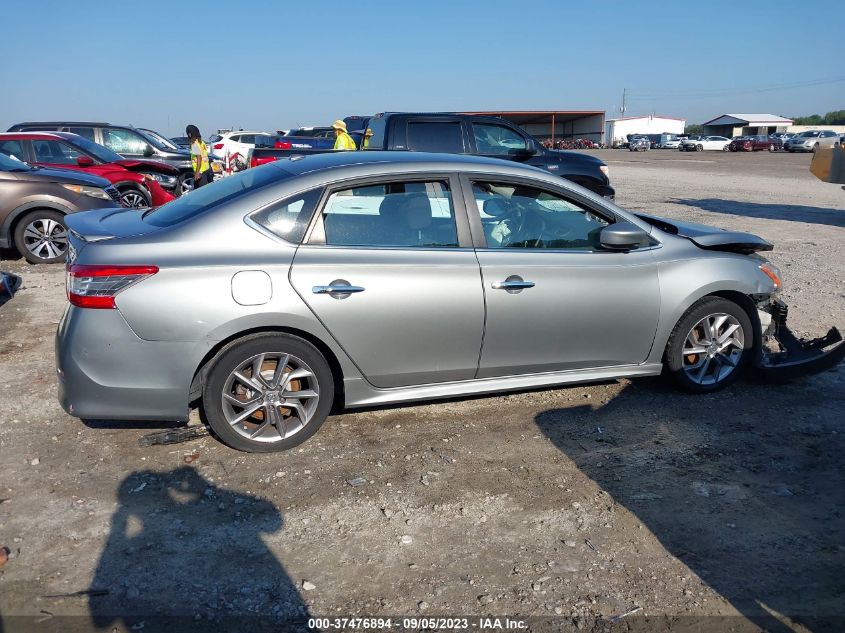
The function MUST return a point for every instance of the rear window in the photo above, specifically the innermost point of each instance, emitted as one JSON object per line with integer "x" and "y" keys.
{"x": 227, "y": 189}
{"x": 435, "y": 136}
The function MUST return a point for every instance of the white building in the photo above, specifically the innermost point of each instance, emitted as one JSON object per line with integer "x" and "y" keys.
{"x": 616, "y": 130}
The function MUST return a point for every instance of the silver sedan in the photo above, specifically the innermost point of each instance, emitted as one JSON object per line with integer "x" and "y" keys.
{"x": 277, "y": 295}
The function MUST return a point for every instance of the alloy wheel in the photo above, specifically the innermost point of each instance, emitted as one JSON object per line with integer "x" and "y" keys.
{"x": 713, "y": 349}
{"x": 270, "y": 397}
{"x": 187, "y": 184}
{"x": 45, "y": 238}
{"x": 133, "y": 199}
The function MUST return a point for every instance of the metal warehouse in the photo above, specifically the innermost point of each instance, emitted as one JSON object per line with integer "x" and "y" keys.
{"x": 731, "y": 125}
{"x": 555, "y": 124}
{"x": 616, "y": 130}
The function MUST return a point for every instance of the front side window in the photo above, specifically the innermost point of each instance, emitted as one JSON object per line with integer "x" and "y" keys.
{"x": 55, "y": 152}
{"x": 124, "y": 141}
{"x": 518, "y": 216}
{"x": 435, "y": 136}
{"x": 497, "y": 139}
{"x": 404, "y": 214}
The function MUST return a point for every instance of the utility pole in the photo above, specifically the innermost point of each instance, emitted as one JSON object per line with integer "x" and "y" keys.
{"x": 624, "y": 106}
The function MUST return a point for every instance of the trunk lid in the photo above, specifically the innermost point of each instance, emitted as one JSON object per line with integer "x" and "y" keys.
{"x": 86, "y": 227}
{"x": 709, "y": 237}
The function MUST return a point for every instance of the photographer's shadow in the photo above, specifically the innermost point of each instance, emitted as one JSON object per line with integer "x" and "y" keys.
{"x": 184, "y": 554}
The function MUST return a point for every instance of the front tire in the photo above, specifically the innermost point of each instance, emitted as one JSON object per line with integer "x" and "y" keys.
{"x": 41, "y": 237}
{"x": 699, "y": 148}
{"x": 184, "y": 184}
{"x": 710, "y": 346}
{"x": 268, "y": 393}
{"x": 133, "y": 198}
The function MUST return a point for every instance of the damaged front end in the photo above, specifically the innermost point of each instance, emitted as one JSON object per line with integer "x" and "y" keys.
{"x": 784, "y": 356}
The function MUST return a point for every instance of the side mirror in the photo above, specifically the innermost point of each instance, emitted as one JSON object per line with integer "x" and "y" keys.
{"x": 148, "y": 151}
{"x": 85, "y": 161}
{"x": 623, "y": 236}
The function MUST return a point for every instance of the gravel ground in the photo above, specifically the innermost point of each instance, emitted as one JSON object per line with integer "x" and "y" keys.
{"x": 567, "y": 506}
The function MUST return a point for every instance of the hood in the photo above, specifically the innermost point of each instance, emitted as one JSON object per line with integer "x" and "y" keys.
{"x": 560, "y": 155}
{"x": 709, "y": 237}
{"x": 158, "y": 167}
{"x": 63, "y": 176}
{"x": 105, "y": 224}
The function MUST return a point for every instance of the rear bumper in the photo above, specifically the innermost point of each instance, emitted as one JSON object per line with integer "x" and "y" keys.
{"x": 106, "y": 372}
{"x": 796, "y": 357}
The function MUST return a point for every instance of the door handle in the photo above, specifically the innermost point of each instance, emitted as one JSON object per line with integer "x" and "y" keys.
{"x": 512, "y": 285}
{"x": 337, "y": 289}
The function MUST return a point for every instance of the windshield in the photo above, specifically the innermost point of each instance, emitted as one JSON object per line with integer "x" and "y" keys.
{"x": 198, "y": 201}
{"x": 103, "y": 154}
{"x": 7, "y": 163}
{"x": 158, "y": 140}
{"x": 808, "y": 134}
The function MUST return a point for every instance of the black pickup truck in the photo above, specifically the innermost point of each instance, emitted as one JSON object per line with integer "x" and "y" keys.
{"x": 459, "y": 134}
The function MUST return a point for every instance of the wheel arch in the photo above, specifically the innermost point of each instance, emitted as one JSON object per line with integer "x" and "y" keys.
{"x": 10, "y": 224}
{"x": 195, "y": 391}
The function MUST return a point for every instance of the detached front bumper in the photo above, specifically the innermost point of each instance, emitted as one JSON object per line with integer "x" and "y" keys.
{"x": 785, "y": 356}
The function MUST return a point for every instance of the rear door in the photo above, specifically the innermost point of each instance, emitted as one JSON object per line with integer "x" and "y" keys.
{"x": 389, "y": 269}
{"x": 555, "y": 300}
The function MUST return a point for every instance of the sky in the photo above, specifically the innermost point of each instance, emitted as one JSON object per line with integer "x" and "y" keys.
{"x": 269, "y": 65}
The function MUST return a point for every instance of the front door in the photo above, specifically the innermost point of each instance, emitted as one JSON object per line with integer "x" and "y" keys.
{"x": 555, "y": 300}
{"x": 388, "y": 268}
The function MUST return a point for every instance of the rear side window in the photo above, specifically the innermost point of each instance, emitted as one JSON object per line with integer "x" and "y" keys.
{"x": 289, "y": 218}
{"x": 12, "y": 149}
{"x": 435, "y": 136}
{"x": 201, "y": 200}
{"x": 403, "y": 214}
{"x": 86, "y": 132}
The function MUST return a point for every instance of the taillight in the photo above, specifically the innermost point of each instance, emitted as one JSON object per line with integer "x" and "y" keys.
{"x": 97, "y": 286}
{"x": 218, "y": 146}
{"x": 282, "y": 145}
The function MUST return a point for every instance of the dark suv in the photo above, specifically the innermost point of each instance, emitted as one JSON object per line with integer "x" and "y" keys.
{"x": 34, "y": 202}
{"x": 126, "y": 140}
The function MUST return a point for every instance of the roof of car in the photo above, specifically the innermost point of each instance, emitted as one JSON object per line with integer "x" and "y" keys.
{"x": 28, "y": 135}
{"x": 332, "y": 160}
{"x": 69, "y": 123}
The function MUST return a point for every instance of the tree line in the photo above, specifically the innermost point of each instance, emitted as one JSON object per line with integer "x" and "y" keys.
{"x": 837, "y": 117}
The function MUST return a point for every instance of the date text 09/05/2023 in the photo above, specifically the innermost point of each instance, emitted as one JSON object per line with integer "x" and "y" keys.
{"x": 416, "y": 623}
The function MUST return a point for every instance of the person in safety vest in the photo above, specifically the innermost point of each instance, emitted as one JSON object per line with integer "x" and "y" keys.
{"x": 365, "y": 144}
{"x": 342, "y": 141}
{"x": 199, "y": 157}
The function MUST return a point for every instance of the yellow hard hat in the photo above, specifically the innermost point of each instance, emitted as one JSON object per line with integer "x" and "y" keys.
{"x": 339, "y": 125}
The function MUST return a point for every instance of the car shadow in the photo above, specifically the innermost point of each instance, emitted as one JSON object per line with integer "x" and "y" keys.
{"x": 756, "y": 513}
{"x": 790, "y": 212}
{"x": 184, "y": 554}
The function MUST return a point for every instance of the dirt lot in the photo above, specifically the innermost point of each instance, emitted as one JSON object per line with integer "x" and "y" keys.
{"x": 567, "y": 506}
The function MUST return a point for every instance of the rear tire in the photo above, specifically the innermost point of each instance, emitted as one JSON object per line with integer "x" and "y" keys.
{"x": 710, "y": 345}
{"x": 248, "y": 372}
{"x": 699, "y": 148}
{"x": 41, "y": 237}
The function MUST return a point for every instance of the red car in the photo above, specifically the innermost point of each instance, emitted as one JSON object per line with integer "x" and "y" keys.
{"x": 138, "y": 181}
{"x": 755, "y": 143}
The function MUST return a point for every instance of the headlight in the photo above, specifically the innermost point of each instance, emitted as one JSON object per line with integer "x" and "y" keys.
{"x": 162, "y": 178}
{"x": 605, "y": 170}
{"x": 83, "y": 190}
{"x": 772, "y": 273}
